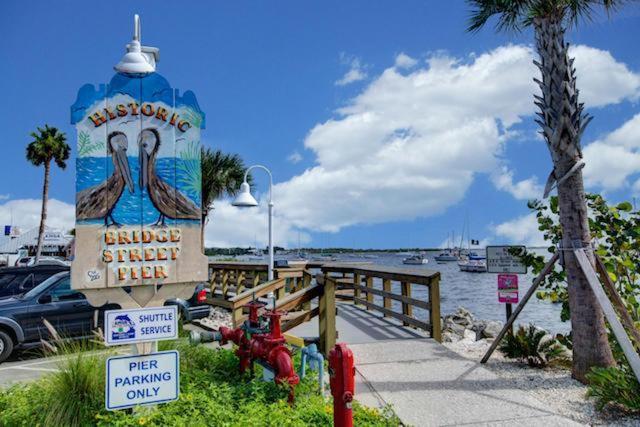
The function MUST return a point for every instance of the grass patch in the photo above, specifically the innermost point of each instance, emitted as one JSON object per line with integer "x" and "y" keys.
{"x": 212, "y": 393}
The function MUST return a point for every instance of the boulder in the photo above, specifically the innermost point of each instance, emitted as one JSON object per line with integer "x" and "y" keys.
{"x": 491, "y": 329}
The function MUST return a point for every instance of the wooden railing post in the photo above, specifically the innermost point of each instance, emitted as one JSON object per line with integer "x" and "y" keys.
{"x": 237, "y": 316}
{"x": 306, "y": 282}
{"x": 357, "y": 281}
{"x": 327, "y": 315}
{"x": 434, "y": 310}
{"x": 407, "y": 309}
{"x": 386, "y": 286}
{"x": 369, "y": 281}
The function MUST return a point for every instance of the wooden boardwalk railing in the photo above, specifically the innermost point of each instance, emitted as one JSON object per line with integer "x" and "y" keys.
{"x": 375, "y": 287}
{"x": 392, "y": 284}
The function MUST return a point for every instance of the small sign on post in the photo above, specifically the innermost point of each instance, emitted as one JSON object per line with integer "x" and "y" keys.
{"x": 506, "y": 259}
{"x": 508, "y": 288}
{"x": 142, "y": 380}
{"x": 140, "y": 325}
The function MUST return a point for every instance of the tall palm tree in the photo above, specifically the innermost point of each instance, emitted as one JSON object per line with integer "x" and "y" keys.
{"x": 48, "y": 144}
{"x": 222, "y": 175}
{"x": 563, "y": 121}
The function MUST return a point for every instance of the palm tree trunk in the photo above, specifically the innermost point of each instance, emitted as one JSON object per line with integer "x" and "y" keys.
{"x": 43, "y": 212}
{"x": 205, "y": 221}
{"x": 563, "y": 122}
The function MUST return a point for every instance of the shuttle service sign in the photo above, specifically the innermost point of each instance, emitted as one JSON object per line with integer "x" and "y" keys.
{"x": 138, "y": 191}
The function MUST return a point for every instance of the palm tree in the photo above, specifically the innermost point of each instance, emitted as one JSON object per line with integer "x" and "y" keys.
{"x": 48, "y": 144}
{"x": 563, "y": 122}
{"x": 222, "y": 175}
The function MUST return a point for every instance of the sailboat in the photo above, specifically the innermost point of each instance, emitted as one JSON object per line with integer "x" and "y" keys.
{"x": 448, "y": 254}
{"x": 471, "y": 262}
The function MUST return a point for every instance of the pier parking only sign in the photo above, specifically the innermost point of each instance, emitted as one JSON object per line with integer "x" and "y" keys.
{"x": 140, "y": 325}
{"x": 142, "y": 380}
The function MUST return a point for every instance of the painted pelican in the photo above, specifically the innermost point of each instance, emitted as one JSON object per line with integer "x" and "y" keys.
{"x": 99, "y": 201}
{"x": 167, "y": 199}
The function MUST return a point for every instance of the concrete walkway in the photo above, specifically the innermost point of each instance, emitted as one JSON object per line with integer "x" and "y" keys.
{"x": 426, "y": 383}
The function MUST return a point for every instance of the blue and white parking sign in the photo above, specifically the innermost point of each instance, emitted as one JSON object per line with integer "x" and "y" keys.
{"x": 141, "y": 325}
{"x": 142, "y": 380}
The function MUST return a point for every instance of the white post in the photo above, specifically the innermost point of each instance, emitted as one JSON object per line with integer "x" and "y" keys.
{"x": 270, "y": 273}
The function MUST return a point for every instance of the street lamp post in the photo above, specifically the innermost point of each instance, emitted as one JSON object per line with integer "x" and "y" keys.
{"x": 245, "y": 199}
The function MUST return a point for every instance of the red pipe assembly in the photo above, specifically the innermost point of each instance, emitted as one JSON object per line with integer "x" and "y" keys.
{"x": 259, "y": 339}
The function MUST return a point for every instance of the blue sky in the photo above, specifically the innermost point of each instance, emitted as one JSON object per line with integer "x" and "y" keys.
{"x": 314, "y": 90}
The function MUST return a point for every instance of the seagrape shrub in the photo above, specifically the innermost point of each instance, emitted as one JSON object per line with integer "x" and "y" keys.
{"x": 615, "y": 231}
{"x": 213, "y": 393}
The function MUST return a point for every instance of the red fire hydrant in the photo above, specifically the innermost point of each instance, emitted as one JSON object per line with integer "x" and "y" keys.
{"x": 342, "y": 379}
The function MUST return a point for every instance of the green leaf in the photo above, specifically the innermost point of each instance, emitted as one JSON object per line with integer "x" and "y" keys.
{"x": 625, "y": 206}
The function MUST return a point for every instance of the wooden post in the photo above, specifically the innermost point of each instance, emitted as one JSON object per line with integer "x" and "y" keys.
{"x": 240, "y": 282}
{"x": 327, "y": 316}
{"x": 225, "y": 283}
{"x": 546, "y": 270}
{"x": 434, "y": 308}
{"x": 369, "y": 280}
{"x": 281, "y": 292}
{"x": 357, "y": 281}
{"x": 386, "y": 302}
{"x": 407, "y": 309}
{"x": 306, "y": 282}
{"x": 236, "y": 316}
{"x": 617, "y": 301}
{"x": 609, "y": 312}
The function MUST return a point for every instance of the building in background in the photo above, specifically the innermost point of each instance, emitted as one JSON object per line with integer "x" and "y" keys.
{"x": 14, "y": 245}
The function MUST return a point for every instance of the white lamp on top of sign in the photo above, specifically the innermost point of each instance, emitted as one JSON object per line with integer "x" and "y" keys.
{"x": 138, "y": 59}
{"x": 245, "y": 200}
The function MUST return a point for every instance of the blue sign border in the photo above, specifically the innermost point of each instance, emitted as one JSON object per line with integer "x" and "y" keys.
{"x": 107, "y": 387}
{"x": 110, "y": 343}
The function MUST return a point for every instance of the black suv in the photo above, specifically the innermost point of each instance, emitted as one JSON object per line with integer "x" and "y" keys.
{"x": 68, "y": 310}
{"x": 18, "y": 280}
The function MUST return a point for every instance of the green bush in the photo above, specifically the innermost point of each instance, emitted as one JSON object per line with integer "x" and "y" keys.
{"x": 212, "y": 393}
{"x": 614, "y": 385}
{"x": 528, "y": 345}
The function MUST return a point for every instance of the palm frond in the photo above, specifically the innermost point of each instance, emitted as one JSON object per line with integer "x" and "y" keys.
{"x": 511, "y": 14}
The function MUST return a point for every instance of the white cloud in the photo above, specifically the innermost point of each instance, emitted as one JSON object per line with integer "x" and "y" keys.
{"x": 410, "y": 144}
{"x": 356, "y": 71}
{"x": 5, "y": 197}
{"x": 294, "y": 157}
{"x": 25, "y": 213}
{"x": 405, "y": 61}
{"x": 523, "y": 190}
{"x": 521, "y": 230}
{"x": 601, "y": 79}
{"x": 232, "y": 226}
{"x": 612, "y": 160}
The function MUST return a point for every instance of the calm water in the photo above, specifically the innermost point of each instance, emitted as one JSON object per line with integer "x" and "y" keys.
{"x": 475, "y": 291}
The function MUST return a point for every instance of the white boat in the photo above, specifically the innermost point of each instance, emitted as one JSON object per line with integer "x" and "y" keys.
{"x": 446, "y": 256}
{"x": 473, "y": 266}
{"x": 415, "y": 260}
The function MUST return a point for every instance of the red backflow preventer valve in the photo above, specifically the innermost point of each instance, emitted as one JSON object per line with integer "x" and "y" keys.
{"x": 342, "y": 379}
{"x": 259, "y": 339}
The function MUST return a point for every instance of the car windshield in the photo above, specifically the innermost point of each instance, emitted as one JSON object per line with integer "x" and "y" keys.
{"x": 42, "y": 286}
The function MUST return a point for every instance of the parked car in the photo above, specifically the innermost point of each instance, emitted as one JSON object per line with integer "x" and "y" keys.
{"x": 195, "y": 307}
{"x": 43, "y": 260}
{"x": 18, "y": 280}
{"x": 21, "y": 316}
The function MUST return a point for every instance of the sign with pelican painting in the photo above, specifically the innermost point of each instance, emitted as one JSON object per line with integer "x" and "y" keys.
{"x": 138, "y": 181}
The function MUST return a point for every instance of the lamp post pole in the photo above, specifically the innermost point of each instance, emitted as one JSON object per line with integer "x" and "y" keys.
{"x": 246, "y": 174}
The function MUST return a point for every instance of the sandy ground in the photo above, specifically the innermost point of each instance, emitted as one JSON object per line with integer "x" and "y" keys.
{"x": 551, "y": 386}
